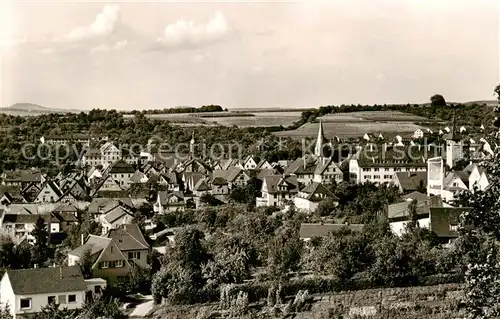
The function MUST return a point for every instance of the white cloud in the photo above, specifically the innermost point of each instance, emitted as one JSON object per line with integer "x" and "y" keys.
{"x": 187, "y": 32}
{"x": 103, "y": 25}
{"x": 106, "y": 48}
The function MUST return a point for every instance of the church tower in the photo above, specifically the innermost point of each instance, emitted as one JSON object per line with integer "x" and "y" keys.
{"x": 318, "y": 149}
{"x": 192, "y": 146}
{"x": 454, "y": 145}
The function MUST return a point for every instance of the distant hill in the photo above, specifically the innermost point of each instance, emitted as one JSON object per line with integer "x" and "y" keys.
{"x": 24, "y": 109}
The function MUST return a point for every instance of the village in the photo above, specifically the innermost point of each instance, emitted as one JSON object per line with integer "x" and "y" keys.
{"x": 102, "y": 188}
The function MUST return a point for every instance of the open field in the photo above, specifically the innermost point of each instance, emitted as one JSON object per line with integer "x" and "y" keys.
{"x": 345, "y": 125}
{"x": 240, "y": 119}
{"x": 258, "y": 119}
{"x": 383, "y": 116}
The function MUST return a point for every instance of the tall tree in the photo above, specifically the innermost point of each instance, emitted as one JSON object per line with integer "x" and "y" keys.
{"x": 438, "y": 100}
{"x": 41, "y": 248}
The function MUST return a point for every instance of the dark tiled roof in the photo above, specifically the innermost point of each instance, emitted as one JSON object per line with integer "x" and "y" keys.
{"x": 400, "y": 211}
{"x": 66, "y": 208}
{"x": 121, "y": 167}
{"x": 46, "y": 280}
{"x": 94, "y": 243}
{"x": 219, "y": 181}
{"x": 416, "y": 196}
{"x": 27, "y": 218}
{"x": 25, "y": 176}
{"x": 272, "y": 182}
{"x": 322, "y": 230}
{"x": 411, "y": 181}
{"x": 317, "y": 188}
{"x": 128, "y": 237}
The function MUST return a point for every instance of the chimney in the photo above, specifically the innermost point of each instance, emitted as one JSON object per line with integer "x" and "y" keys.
{"x": 60, "y": 272}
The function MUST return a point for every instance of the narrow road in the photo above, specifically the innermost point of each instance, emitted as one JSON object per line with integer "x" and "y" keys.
{"x": 142, "y": 309}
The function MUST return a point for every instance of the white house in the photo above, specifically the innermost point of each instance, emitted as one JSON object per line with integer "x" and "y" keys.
{"x": 49, "y": 193}
{"x": 115, "y": 217}
{"x": 249, "y": 163}
{"x": 276, "y": 189}
{"x": 380, "y": 166}
{"x": 477, "y": 178}
{"x": 23, "y": 224}
{"x": 121, "y": 172}
{"x": 27, "y": 291}
{"x": 109, "y": 153}
{"x": 418, "y": 134}
{"x": 169, "y": 201}
{"x": 310, "y": 196}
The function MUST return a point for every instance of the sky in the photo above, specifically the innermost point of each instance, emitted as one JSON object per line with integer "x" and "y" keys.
{"x": 142, "y": 55}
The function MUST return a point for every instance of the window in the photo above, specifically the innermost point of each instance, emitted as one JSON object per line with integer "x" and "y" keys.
{"x": 453, "y": 227}
{"x": 71, "y": 298}
{"x": 368, "y": 177}
{"x": 97, "y": 289}
{"x": 375, "y": 169}
{"x": 25, "y": 303}
{"x": 51, "y": 299}
{"x": 104, "y": 264}
{"x": 134, "y": 255}
{"x": 386, "y": 169}
{"x": 376, "y": 176}
{"x": 61, "y": 299}
{"x": 119, "y": 264}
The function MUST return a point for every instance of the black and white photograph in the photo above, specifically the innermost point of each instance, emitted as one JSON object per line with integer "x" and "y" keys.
{"x": 250, "y": 159}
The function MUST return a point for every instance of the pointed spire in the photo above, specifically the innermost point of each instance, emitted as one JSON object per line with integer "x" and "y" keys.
{"x": 192, "y": 146}
{"x": 454, "y": 126}
{"x": 318, "y": 149}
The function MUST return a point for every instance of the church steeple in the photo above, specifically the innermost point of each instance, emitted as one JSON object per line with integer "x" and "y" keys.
{"x": 318, "y": 149}
{"x": 192, "y": 146}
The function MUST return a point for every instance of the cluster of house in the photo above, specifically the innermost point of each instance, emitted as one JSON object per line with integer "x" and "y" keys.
{"x": 432, "y": 182}
{"x": 112, "y": 185}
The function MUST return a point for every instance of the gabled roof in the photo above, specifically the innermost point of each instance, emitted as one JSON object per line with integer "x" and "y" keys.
{"x": 66, "y": 208}
{"x": 24, "y": 176}
{"x": 450, "y": 176}
{"x": 411, "y": 181}
{"x": 272, "y": 182}
{"x": 400, "y": 211}
{"x": 303, "y": 165}
{"x": 95, "y": 244}
{"x": 137, "y": 177}
{"x": 67, "y": 217}
{"x": 415, "y": 196}
{"x": 107, "y": 146}
{"x": 321, "y": 230}
{"x": 46, "y": 280}
{"x": 53, "y": 186}
{"x": 28, "y": 219}
{"x": 317, "y": 188}
{"x": 170, "y": 177}
{"x": 201, "y": 185}
{"x": 116, "y": 213}
{"x": 165, "y": 195}
{"x": 219, "y": 180}
{"x": 128, "y": 237}
{"x": 233, "y": 172}
{"x": 321, "y": 165}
